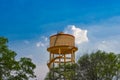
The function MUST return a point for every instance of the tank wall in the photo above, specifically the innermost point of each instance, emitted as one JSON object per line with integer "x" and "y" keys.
{"x": 63, "y": 39}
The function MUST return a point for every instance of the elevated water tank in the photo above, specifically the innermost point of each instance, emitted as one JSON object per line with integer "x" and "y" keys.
{"x": 62, "y": 49}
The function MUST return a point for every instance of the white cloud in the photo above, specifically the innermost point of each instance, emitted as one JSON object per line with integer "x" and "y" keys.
{"x": 80, "y": 35}
{"x": 40, "y": 44}
{"x": 43, "y": 42}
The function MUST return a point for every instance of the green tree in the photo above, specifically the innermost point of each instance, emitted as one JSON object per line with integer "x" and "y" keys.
{"x": 99, "y": 66}
{"x": 11, "y": 69}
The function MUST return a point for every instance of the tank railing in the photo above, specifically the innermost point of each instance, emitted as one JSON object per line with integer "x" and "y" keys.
{"x": 60, "y": 46}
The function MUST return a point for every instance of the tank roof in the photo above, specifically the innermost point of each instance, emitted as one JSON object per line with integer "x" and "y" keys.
{"x": 62, "y": 33}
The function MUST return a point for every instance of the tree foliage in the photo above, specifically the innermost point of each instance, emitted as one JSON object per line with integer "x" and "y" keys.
{"x": 11, "y": 69}
{"x": 98, "y": 65}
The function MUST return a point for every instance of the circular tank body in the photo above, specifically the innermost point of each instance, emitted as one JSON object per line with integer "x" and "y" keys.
{"x": 62, "y": 39}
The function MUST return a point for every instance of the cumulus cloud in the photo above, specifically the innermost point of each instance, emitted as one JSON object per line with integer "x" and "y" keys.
{"x": 43, "y": 42}
{"x": 38, "y": 44}
{"x": 80, "y": 35}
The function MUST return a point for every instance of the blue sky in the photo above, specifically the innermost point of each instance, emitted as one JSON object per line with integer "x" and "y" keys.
{"x": 20, "y": 19}
{"x": 29, "y": 23}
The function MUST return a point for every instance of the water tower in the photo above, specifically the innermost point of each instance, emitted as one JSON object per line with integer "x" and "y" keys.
{"x": 61, "y": 50}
